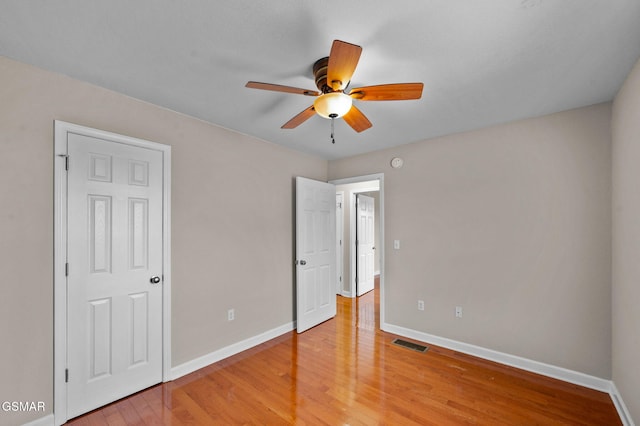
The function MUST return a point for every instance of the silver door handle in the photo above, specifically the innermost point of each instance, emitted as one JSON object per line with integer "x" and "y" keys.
{"x": 155, "y": 280}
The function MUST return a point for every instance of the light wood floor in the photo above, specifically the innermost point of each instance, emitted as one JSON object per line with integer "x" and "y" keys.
{"x": 347, "y": 372}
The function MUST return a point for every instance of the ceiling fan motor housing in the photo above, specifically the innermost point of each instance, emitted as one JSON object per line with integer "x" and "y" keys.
{"x": 320, "y": 73}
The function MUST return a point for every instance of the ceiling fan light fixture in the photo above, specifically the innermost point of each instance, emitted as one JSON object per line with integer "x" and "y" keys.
{"x": 332, "y": 104}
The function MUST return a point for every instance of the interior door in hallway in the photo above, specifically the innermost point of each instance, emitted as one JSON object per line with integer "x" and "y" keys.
{"x": 115, "y": 234}
{"x": 365, "y": 230}
{"x": 339, "y": 237}
{"x": 315, "y": 252}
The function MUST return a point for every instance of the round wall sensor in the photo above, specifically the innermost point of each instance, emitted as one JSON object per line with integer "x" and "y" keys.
{"x": 397, "y": 162}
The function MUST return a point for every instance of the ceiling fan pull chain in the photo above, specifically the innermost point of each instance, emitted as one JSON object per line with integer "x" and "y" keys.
{"x": 333, "y": 118}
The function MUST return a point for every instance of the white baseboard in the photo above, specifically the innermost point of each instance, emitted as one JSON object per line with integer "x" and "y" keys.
{"x": 623, "y": 412}
{"x": 548, "y": 370}
{"x": 213, "y": 357}
{"x": 47, "y": 420}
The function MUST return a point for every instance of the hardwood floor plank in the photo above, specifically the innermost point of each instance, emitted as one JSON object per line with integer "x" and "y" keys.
{"x": 347, "y": 371}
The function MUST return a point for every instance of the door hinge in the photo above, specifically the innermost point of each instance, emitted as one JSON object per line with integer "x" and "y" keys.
{"x": 66, "y": 269}
{"x": 66, "y": 161}
{"x": 66, "y": 375}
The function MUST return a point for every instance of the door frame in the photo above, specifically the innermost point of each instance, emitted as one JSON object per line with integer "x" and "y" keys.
{"x": 61, "y": 130}
{"x": 353, "y": 262}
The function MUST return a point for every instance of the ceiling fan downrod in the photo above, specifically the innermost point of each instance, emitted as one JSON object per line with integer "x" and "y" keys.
{"x": 333, "y": 118}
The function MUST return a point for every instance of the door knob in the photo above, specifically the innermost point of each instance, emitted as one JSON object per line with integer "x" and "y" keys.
{"x": 303, "y": 262}
{"x": 155, "y": 280}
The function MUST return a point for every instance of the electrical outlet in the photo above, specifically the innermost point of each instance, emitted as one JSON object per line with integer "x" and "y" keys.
{"x": 421, "y": 305}
{"x": 458, "y": 311}
{"x": 231, "y": 314}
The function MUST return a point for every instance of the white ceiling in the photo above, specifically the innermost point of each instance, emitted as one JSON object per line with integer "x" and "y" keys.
{"x": 482, "y": 62}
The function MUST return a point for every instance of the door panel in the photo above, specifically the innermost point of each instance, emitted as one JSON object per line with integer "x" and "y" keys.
{"x": 138, "y": 233}
{"x": 100, "y": 338}
{"x": 114, "y": 318}
{"x": 139, "y": 308}
{"x": 315, "y": 252}
{"x": 100, "y": 233}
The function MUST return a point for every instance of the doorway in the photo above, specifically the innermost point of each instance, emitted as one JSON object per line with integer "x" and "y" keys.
{"x": 369, "y": 184}
{"x": 111, "y": 267}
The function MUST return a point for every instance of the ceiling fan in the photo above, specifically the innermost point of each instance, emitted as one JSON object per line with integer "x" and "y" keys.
{"x": 332, "y": 76}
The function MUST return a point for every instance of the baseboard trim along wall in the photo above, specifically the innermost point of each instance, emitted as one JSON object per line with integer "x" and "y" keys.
{"x": 548, "y": 370}
{"x": 47, "y": 420}
{"x": 623, "y": 412}
{"x": 559, "y": 373}
{"x": 213, "y": 357}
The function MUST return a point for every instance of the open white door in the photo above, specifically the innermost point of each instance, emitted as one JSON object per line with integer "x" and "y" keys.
{"x": 315, "y": 252}
{"x": 365, "y": 230}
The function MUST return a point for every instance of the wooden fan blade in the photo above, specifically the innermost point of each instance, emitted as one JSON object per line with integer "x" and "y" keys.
{"x": 388, "y": 92}
{"x": 280, "y": 88}
{"x": 300, "y": 118}
{"x": 343, "y": 60}
{"x": 357, "y": 120}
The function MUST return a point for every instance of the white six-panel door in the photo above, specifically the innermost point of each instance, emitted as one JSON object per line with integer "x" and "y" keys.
{"x": 339, "y": 246}
{"x": 114, "y": 307}
{"x": 366, "y": 241}
{"x": 315, "y": 252}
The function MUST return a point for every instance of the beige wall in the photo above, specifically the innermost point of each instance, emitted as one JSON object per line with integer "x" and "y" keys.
{"x": 513, "y": 224}
{"x": 232, "y": 224}
{"x": 626, "y": 241}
